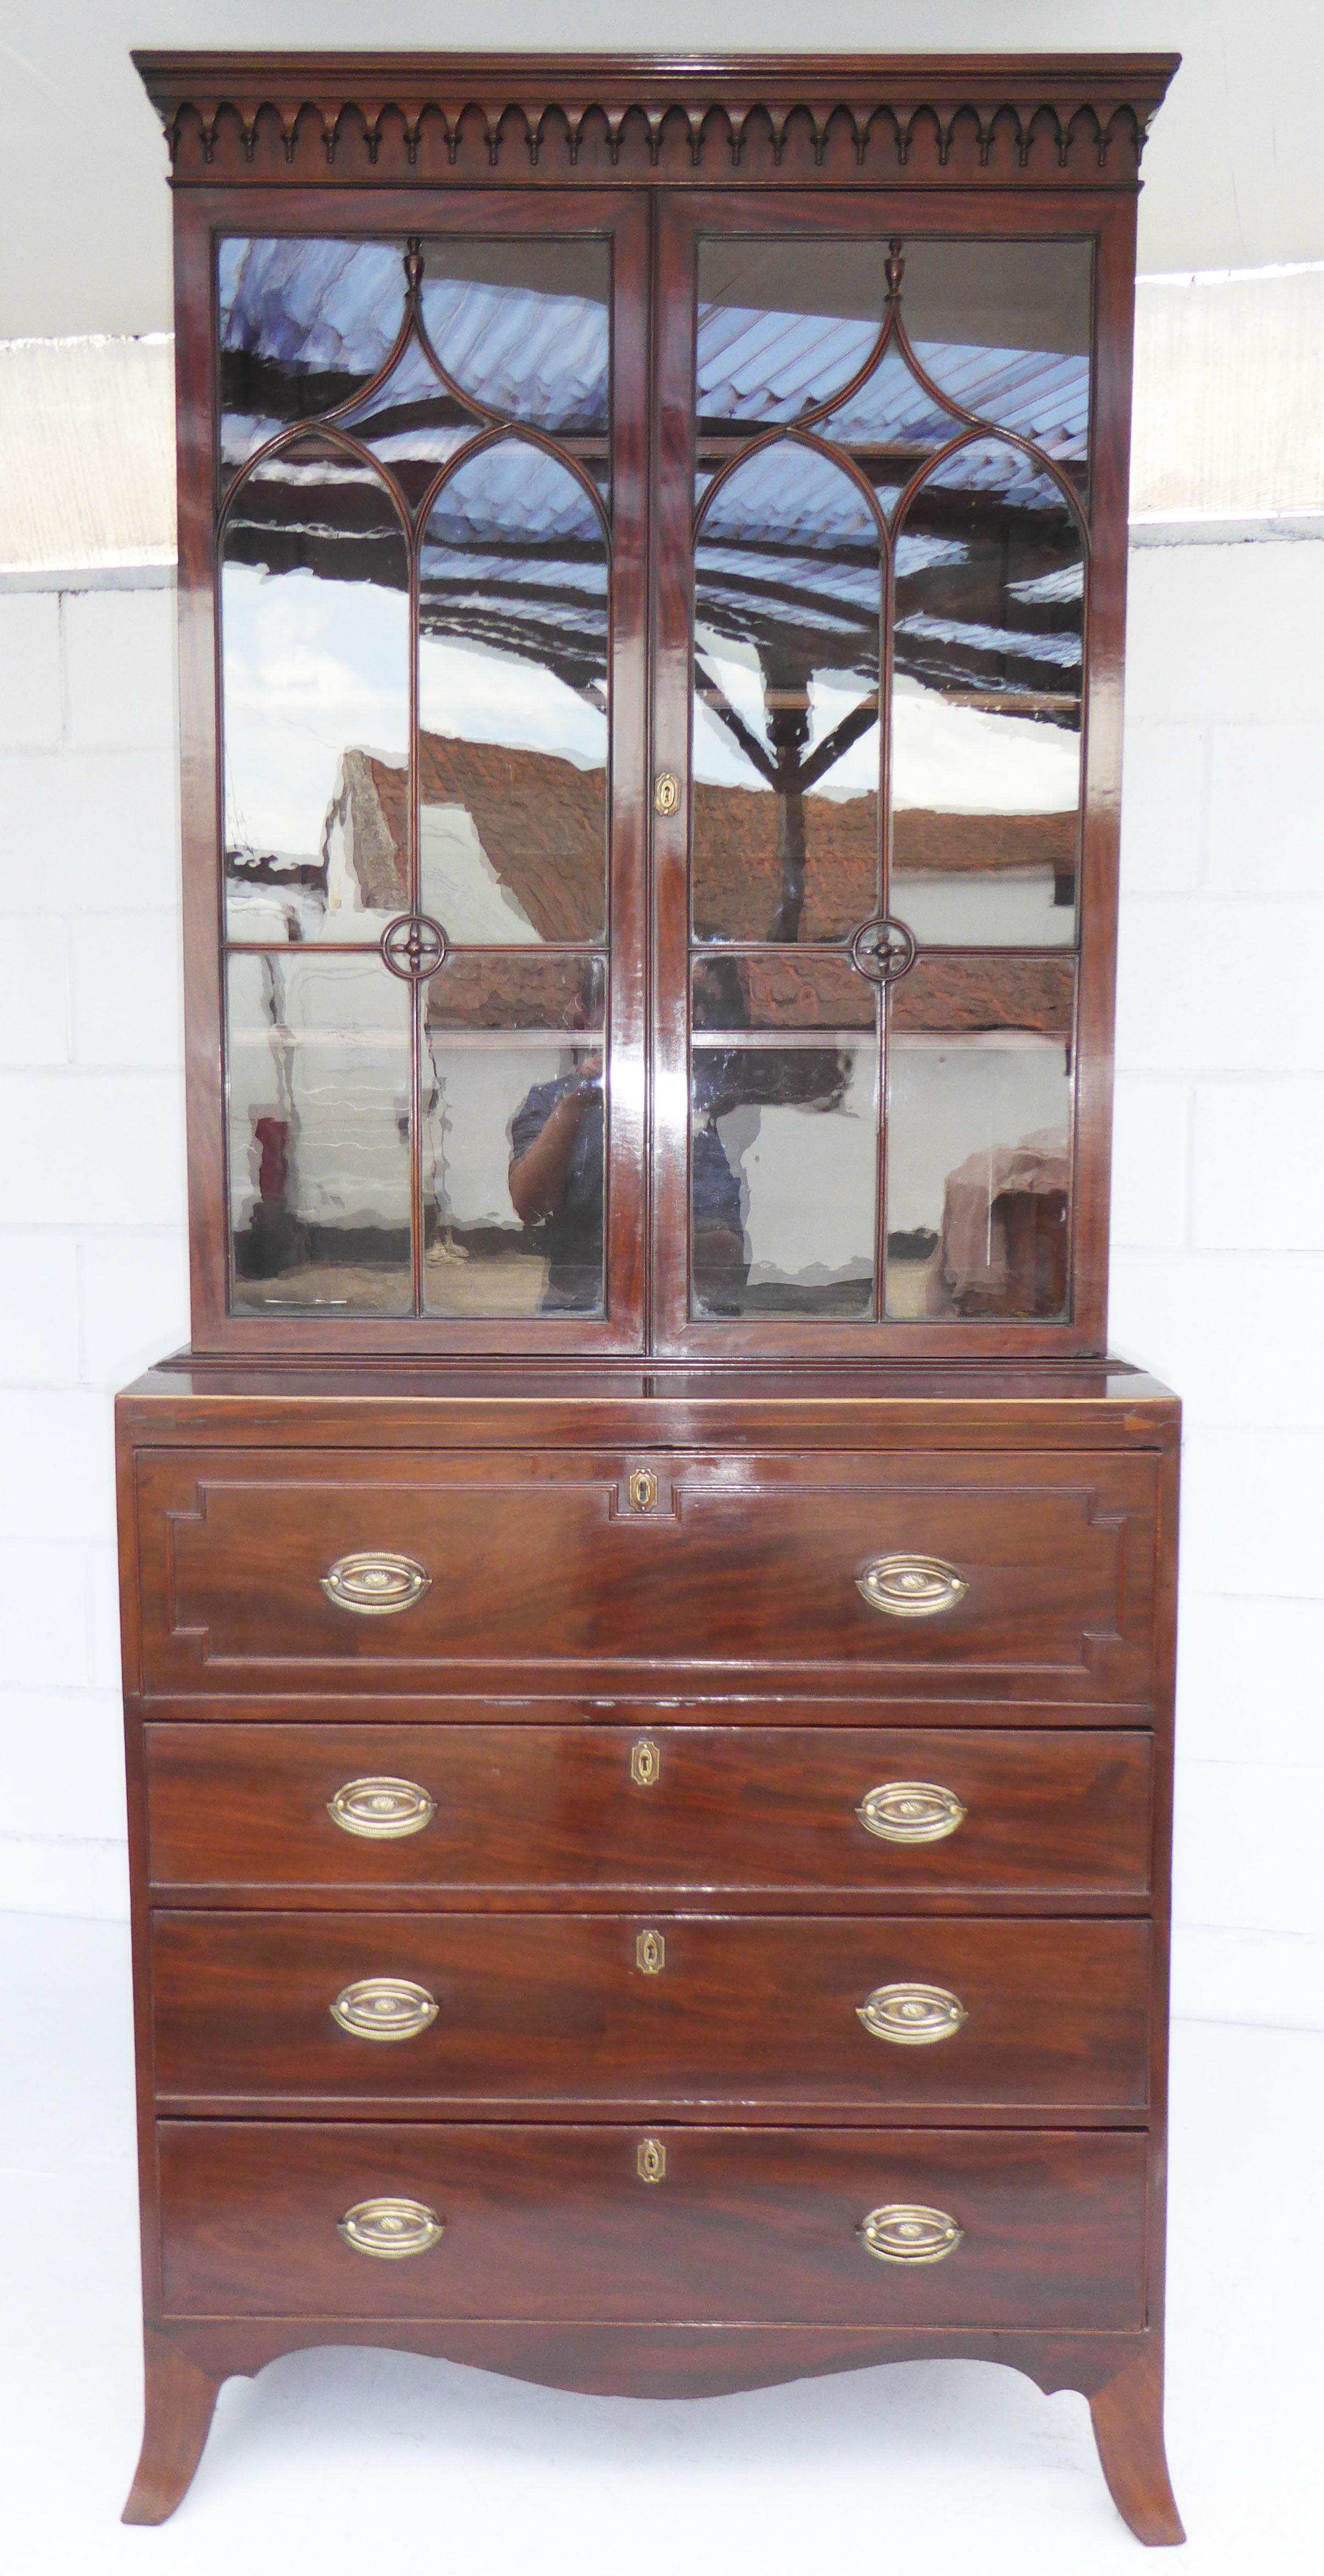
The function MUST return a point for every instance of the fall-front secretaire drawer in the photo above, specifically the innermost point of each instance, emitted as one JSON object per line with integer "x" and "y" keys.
{"x": 561, "y": 2012}
{"x": 1027, "y": 1576}
{"x": 784, "y": 2226}
{"x": 517, "y": 1811}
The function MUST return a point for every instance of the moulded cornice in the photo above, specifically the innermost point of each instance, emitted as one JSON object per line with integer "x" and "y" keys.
{"x": 390, "y": 116}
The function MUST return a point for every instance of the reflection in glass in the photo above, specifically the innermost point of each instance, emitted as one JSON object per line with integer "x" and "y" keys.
{"x": 979, "y": 1098}
{"x": 1003, "y": 328}
{"x": 302, "y": 325}
{"x": 513, "y": 703}
{"x": 523, "y": 326}
{"x": 513, "y": 1137}
{"x": 318, "y": 1120}
{"x": 783, "y": 1142}
{"x": 315, "y": 647}
{"x": 986, "y": 704}
{"x": 891, "y": 426}
{"x": 785, "y": 808}
{"x": 520, "y": 328}
{"x": 770, "y": 989}
{"x": 411, "y": 422}
{"x": 782, "y": 326}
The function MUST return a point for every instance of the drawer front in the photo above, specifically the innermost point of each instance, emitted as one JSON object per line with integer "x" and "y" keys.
{"x": 1025, "y": 1576}
{"x": 461, "y": 1809}
{"x": 736, "y": 2226}
{"x": 563, "y": 2011}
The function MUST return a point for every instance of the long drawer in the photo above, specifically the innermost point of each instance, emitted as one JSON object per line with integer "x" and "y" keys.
{"x": 859, "y": 2228}
{"x": 458, "y": 1809}
{"x": 1022, "y": 1576}
{"x": 567, "y": 2011}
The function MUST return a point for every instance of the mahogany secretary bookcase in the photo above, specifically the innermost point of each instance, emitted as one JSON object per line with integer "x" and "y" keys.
{"x": 648, "y": 1614}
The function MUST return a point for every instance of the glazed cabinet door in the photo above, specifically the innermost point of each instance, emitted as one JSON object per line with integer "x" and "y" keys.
{"x": 885, "y": 780}
{"x": 426, "y": 499}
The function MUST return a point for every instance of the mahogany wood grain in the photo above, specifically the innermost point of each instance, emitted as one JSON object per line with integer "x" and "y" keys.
{"x": 688, "y": 2361}
{"x": 729, "y": 1702}
{"x": 726, "y": 1625}
{"x": 666, "y": 2361}
{"x": 949, "y": 123}
{"x": 554, "y": 2012}
{"x": 189, "y": 1400}
{"x": 538, "y": 1561}
{"x": 1128, "y": 2427}
{"x": 745, "y": 2225}
{"x": 685, "y": 218}
{"x": 622, "y": 220}
{"x": 772, "y": 180}
{"x": 179, "y": 2400}
{"x": 525, "y": 1810}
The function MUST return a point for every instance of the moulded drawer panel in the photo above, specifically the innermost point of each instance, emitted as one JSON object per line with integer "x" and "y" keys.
{"x": 538, "y": 1564}
{"x": 743, "y": 2226}
{"x": 566, "y": 2010}
{"x": 526, "y": 1809}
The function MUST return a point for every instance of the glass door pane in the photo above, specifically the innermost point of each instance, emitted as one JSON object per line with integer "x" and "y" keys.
{"x": 419, "y": 618}
{"x": 882, "y": 629}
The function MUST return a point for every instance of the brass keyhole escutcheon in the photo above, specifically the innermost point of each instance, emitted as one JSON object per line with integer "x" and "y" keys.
{"x": 650, "y": 1953}
{"x": 641, "y": 1488}
{"x": 645, "y": 1763}
{"x": 650, "y": 2162}
{"x": 666, "y": 792}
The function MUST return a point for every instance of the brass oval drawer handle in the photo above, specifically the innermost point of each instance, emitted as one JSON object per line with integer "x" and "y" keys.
{"x": 911, "y": 1587}
{"x": 384, "y": 2008}
{"x": 910, "y": 1811}
{"x": 911, "y": 2016}
{"x": 374, "y": 1583}
{"x": 903, "y": 2232}
{"x": 382, "y": 1811}
{"x": 390, "y": 2229}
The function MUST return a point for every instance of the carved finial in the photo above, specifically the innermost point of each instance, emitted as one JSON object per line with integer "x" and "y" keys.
{"x": 894, "y": 269}
{"x": 413, "y": 267}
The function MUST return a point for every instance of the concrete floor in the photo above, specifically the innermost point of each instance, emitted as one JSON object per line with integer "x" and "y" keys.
{"x": 363, "y": 2461}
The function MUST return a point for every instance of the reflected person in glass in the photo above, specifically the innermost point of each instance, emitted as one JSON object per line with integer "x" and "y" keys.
{"x": 717, "y": 1222}
{"x": 556, "y": 1166}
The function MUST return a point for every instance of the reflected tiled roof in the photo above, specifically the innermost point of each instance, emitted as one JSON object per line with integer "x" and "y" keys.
{"x": 540, "y": 821}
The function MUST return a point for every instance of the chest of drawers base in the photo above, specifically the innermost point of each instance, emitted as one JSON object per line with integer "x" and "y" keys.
{"x": 664, "y": 1945}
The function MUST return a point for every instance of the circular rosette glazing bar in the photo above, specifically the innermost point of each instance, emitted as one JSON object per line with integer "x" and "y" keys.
{"x": 413, "y": 946}
{"x": 883, "y": 950}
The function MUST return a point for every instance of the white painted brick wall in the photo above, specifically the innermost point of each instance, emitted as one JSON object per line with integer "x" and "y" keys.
{"x": 1218, "y": 1262}
{"x": 1218, "y": 1225}
{"x": 92, "y": 1269}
